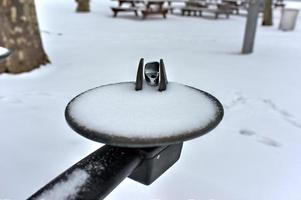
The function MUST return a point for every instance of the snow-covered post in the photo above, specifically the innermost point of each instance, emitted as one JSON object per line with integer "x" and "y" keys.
{"x": 251, "y": 25}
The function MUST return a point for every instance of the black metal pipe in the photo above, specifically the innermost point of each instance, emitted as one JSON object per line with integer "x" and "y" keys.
{"x": 100, "y": 173}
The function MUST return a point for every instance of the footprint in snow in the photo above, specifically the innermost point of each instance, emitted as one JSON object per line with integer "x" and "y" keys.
{"x": 269, "y": 142}
{"x": 246, "y": 132}
{"x": 264, "y": 140}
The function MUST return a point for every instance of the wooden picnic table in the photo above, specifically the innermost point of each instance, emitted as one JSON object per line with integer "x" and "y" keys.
{"x": 152, "y": 7}
{"x": 195, "y": 6}
{"x": 146, "y": 7}
{"x": 145, "y": 1}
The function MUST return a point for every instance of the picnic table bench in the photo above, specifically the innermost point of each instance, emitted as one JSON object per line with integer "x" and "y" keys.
{"x": 116, "y": 10}
{"x": 154, "y": 8}
{"x": 234, "y": 5}
{"x": 146, "y": 8}
{"x": 279, "y": 3}
{"x": 190, "y": 9}
{"x": 200, "y": 10}
{"x": 171, "y": 7}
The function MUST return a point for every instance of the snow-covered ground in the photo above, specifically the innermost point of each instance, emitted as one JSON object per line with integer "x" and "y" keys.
{"x": 253, "y": 154}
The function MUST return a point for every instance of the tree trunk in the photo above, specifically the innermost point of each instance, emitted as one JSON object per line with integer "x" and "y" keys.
{"x": 19, "y": 32}
{"x": 83, "y": 6}
{"x": 267, "y": 13}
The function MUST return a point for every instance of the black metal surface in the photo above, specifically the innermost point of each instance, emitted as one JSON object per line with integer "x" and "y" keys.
{"x": 151, "y": 73}
{"x": 5, "y": 55}
{"x": 107, "y": 167}
{"x": 144, "y": 142}
{"x": 163, "y": 77}
{"x": 156, "y": 162}
{"x": 139, "y": 77}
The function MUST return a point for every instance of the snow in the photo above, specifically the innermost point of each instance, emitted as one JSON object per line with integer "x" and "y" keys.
{"x": 260, "y": 92}
{"x": 3, "y": 51}
{"x": 120, "y": 110}
{"x": 66, "y": 189}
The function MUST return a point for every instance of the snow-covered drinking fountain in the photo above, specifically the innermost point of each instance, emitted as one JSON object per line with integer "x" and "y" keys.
{"x": 4, "y": 53}
{"x": 143, "y": 125}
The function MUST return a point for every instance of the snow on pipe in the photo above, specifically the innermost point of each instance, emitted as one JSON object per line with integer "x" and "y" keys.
{"x": 94, "y": 177}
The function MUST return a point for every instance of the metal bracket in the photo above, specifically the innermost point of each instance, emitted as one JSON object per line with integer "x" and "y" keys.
{"x": 139, "y": 78}
{"x": 155, "y": 162}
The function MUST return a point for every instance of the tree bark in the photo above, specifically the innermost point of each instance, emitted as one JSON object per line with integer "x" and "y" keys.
{"x": 267, "y": 13}
{"x": 19, "y": 32}
{"x": 83, "y": 6}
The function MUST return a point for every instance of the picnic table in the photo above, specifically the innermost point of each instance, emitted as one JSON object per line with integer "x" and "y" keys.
{"x": 161, "y": 7}
{"x": 200, "y": 10}
{"x": 234, "y": 4}
{"x": 146, "y": 8}
{"x": 198, "y": 7}
{"x": 154, "y": 7}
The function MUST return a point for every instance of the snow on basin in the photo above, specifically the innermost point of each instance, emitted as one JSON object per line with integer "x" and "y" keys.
{"x": 119, "y": 110}
{"x": 3, "y": 51}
